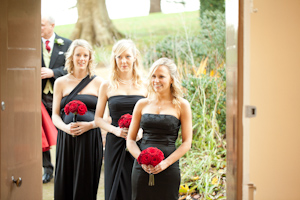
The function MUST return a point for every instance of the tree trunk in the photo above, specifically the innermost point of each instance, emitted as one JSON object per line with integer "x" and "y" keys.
{"x": 155, "y": 6}
{"x": 93, "y": 23}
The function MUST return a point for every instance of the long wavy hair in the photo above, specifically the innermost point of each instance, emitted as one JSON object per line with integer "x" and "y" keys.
{"x": 69, "y": 66}
{"x": 175, "y": 86}
{"x": 118, "y": 48}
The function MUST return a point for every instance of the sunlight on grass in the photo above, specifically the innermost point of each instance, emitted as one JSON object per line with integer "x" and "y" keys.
{"x": 146, "y": 31}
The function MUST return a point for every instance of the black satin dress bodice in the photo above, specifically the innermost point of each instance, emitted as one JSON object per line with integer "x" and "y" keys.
{"x": 159, "y": 131}
{"x": 89, "y": 100}
{"x": 120, "y": 105}
{"x": 118, "y": 161}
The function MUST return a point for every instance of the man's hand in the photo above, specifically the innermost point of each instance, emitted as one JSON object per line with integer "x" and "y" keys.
{"x": 46, "y": 73}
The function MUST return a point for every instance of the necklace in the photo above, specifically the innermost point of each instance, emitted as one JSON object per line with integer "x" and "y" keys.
{"x": 79, "y": 79}
{"x": 159, "y": 106}
{"x": 125, "y": 82}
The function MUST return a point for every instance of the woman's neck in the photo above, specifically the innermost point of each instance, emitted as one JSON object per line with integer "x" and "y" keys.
{"x": 163, "y": 97}
{"x": 79, "y": 74}
{"x": 125, "y": 76}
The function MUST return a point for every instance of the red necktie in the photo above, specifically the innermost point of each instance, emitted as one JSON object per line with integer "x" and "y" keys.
{"x": 47, "y": 46}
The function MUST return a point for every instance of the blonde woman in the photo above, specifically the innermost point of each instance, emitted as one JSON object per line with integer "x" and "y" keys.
{"x": 79, "y": 149}
{"x": 121, "y": 93}
{"x": 160, "y": 116}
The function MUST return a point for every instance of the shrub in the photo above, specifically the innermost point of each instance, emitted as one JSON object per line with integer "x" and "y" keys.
{"x": 192, "y": 49}
{"x": 212, "y": 5}
{"x": 204, "y": 166}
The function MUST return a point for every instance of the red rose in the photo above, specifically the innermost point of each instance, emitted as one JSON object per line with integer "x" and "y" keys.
{"x": 67, "y": 110}
{"x": 152, "y": 150}
{"x": 73, "y": 107}
{"x": 155, "y": 161}
{"x": 124, "y": 121}
{"x": 151, "y": 156}
{"x": 81, "y": 109}
{"x": 145, "y": 159}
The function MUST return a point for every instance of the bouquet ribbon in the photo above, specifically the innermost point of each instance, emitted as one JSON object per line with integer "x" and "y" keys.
{"x": 151, "y": 180}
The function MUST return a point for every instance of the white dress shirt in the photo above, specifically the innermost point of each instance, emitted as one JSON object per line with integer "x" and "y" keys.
{"x": 51, "y": 41}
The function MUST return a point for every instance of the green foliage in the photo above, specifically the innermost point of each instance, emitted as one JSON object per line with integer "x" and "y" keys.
{"x": 205, "y": 164}
{"x": 212, "y": 5}
{"x": 213, "y": 37}
{"x": 210, "y": 42}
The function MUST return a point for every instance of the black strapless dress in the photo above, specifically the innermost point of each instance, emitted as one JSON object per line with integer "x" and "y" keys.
{"x": 117, "y": 161}
{"x": 159, "y": 131}
{"x": 78, "y": 159}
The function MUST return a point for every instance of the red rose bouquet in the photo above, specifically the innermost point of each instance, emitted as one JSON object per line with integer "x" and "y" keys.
{"x": 125, "y": 120}
{"x": 151, "y": 156}
{"x": 75, "y": 107}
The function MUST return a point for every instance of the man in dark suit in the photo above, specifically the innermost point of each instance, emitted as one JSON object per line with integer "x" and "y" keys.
{"x": 53, "y": 62}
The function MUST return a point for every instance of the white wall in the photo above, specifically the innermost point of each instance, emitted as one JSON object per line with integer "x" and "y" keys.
{"x": 273, "y": 83}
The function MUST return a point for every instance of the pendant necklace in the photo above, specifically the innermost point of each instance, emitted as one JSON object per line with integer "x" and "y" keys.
{"x": 126, "y": 82}
{"x": 162, "y": 104}
{"x": 159, "y": 106}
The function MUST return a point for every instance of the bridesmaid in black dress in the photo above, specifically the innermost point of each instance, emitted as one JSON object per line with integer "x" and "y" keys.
{"x": 79, "y": 149}
{"x": 121, "y": 93}
{"x": 160, "y": 116}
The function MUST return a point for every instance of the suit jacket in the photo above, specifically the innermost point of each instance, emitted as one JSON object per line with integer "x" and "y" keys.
{"x": 57, "y": 61}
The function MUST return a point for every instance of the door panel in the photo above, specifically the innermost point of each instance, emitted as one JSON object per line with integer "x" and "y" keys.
{"x": 22, "y": 23}
{"x": 22, "y": 118}
{"x": 274, "y": 89}
{"x": 20, "y": 90}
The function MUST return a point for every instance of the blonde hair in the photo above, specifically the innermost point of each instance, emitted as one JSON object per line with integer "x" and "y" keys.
{"x": 69, "y": 66}
{"x": 175, "y": 86}
{"x": 118, "y": 49}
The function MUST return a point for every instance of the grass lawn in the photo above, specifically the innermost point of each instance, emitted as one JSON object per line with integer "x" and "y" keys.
{"x": 145, "y": 31}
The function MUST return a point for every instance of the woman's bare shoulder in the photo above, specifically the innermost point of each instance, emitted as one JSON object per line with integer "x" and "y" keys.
{"x": 106, "y": 83}
{"x": 61, "y": 80}
{"x": 142, "y": 102}
{"x": 185, "y": 106}
{"x": 184, "y": 102}
{"x": 99, "y": 79}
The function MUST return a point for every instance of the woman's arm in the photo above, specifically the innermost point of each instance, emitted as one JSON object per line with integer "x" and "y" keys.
{"x": 99, "y": 120}
{"x": 57, "y": 97}
{"x": 134, "y": 129}
{"x": 186, "y": 132}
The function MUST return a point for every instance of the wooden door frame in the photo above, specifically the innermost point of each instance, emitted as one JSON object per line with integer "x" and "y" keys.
{"x": 234, "y": 96}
